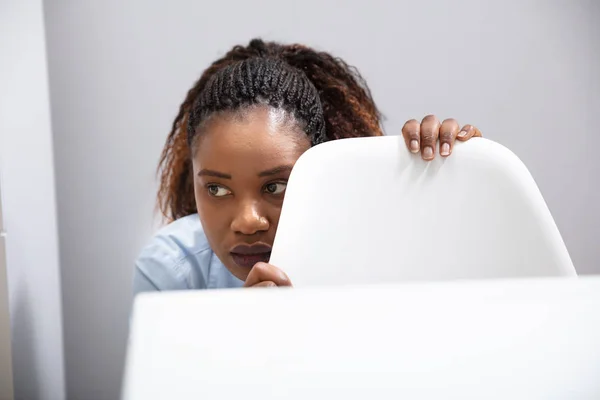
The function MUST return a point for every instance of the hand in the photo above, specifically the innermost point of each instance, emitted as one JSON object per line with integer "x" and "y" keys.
{"x": 423, "y": 136}
{"x": 266, "y": 275}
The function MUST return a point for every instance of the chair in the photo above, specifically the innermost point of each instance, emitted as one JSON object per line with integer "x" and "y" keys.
{"x": 366, "y": 210}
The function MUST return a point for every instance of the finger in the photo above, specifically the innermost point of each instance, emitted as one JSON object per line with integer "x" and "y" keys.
{"x": 448, "y": 132}
{"x": 467, "y": 132}
{"x": 430, "y": 130}
{"x": 265, "y": 284}
{"x": 263, "y": 272}
{"x": 412, "y": 135}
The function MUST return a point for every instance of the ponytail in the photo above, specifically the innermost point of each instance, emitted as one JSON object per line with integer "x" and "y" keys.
{"x": 347, "y": 103}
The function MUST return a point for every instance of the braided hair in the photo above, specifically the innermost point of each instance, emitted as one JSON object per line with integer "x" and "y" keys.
{"x": 328, "y": 98}
{"x": 256, "y": 81}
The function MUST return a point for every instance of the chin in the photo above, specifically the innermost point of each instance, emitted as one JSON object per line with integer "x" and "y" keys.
{"x": 239, "y": 272}
{"x": 241, "y": 275}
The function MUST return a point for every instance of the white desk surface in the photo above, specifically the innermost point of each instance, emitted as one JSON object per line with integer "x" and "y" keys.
{"x": 513, "y": 339}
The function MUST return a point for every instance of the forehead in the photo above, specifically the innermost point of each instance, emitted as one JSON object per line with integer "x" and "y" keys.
{"x": 255, "y": 139}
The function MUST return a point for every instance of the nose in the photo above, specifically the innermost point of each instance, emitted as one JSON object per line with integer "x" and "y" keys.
{"x": 249, "y": 219}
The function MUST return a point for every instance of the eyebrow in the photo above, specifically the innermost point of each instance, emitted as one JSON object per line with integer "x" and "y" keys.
{"x": 216, "y": 174}
{"x": 269, "y": 172}
{"x": 276, "y": 170}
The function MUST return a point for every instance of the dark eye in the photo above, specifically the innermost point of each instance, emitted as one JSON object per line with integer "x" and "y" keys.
{"x": 275, "y": 187}
{"x": 217, "y": 190}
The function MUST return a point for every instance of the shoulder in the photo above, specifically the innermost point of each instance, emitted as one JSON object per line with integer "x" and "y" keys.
{"x": 177, "y": 257}
{"x": 183, "y": 235}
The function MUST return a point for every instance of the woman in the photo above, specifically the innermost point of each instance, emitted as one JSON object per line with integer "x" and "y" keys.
{"x": 232, "y": 146}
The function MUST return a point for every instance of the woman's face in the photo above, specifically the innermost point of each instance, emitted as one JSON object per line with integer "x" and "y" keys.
{"x": 242, "y": 163}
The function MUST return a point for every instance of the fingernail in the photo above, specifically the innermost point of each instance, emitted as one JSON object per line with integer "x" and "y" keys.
{"x": 445, "y": 150}
{"x": 462, "y": 134}
{"x": 414, "y": 146}
{"x": 428, "y": 152}
{"x": 283, "y": 277}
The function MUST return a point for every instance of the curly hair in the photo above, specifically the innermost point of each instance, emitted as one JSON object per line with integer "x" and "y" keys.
{"x": 328, "y": 97}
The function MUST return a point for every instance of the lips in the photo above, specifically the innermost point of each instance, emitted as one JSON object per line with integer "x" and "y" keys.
{"x": 246, "y": 256}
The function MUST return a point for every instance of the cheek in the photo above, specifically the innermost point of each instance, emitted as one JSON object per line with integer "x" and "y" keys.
{"x": 271, "y": 209}
{"x": 274, "y": 219}
{"x": 210, "y": 216}
{"x": 198, "y": 196}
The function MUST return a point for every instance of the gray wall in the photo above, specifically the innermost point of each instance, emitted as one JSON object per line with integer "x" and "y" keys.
{"x": 29, "y": 205}
{"x": 526, "y": 74}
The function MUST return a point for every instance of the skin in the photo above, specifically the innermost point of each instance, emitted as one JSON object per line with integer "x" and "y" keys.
{"x": 242, "y": 162}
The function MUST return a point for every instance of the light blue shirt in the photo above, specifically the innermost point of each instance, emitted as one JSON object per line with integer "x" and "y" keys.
{"x": 179, "y": 257}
